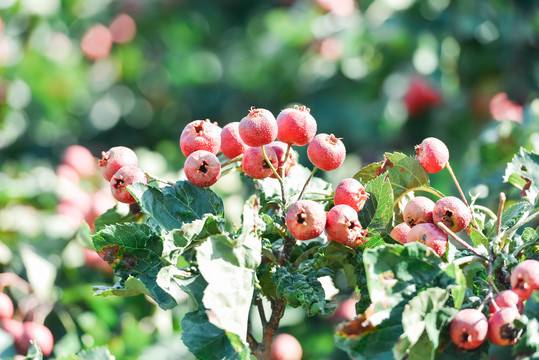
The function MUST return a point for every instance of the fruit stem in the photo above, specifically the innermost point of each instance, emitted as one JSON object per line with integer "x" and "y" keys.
{"x": 307, "y": 183}
{"x": 490, "y": 276}
{"x": 500, "y": 212}
{"x": 230, "y": 170}
{"x": 468, "y": 259}
{"x": 261, "y": 311}
{"x": 419, "y": 188}
{"x": 279, "y": 178}
{"x": 152, "y": 178}
{"x": 231, "y": 161}
{"x": 450, "y": 169}
{"x": 305, "y": 255}
{"x": 486, "y": 210}
{"x": 286, "y": 155}
{"x": 442, "y": 226}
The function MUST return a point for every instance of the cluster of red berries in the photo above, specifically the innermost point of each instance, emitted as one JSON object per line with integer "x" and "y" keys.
{"x": 24, "y": 331}
{"x": 470, "y": 327}
{"x": 119, "y": 168}
{"x": 254, "y": 140}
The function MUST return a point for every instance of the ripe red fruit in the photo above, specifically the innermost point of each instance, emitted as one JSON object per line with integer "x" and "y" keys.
{"x": 285, "y": 347}
{"x": 116, "y": 158}
{"x": 81, "y": 160}
{"x": 258, "y": 128}
{"x": 430, "y": 235}
{"x": 346, "y": 311}
{"x": 452, "y": 212}
{"x": 342, "y": 225}
{"x": 200, "y": 135}
{"x": 14, "y": 328}
{"x": 296, "y": 126}
{"x": 432, "y": 154}
{"x": 38, "y": 333}
{"x": 400, "y": 232}
{"x": 525, "y": 278}
{"x": 280, "y": 150}
{"x": 306, "y": 219}
{"x": 254, "y": 164}
{"x": 350, "y": 192}
{"x": 231, "y": 143}
{"x": 501, "y": 327}
{"x": 6, "y": 305}
{"x": 326, "y": 152}
{"x": 468, "y": 329}
{"x": 418, "y": 210}
{"x": 507, "y": 298}
{"x": 420, "y": 97}
{"x": 127, "y": 175}
{"x": 202, "y": 168}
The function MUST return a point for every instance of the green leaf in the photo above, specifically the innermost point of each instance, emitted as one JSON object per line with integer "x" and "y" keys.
{"x": 172, "y": 206}
{"x": 133, "y": 250}
{"x": 527, "y": 346}
{"x": 208, "y": 342}
{"x": 478, "y": 238}
{"x": 112, "y": 217}
{"x": 84, "y": 235}
{"x": 458, "y": 291}
{"x": 523, "y": 173}
{"x": 377, "y": 213}
{"x": 34, "y": 352}
{"x": 512, "y": 215}
{"x": 337, "y": 256}
{"x": 302, "y": 288}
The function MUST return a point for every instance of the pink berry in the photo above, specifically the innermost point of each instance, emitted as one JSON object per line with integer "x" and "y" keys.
{"x": 342, "y": 225}
{"x": 116, "y": 158}
{"x": 285, "y": 347}
{"x": 400, "y": 232}
{"x": 501, "y": 326}
{"x": 507, "y": 298}
{"x": 468, "y": 329}
{"x": 202, "y": 168}
{"x": 350, "y": 192}
{"x": 420, "y": 97}
{"x": 345, "y": 311}
{"x": 418, "y": 210}
{"x": 432, "y": 154}
{"x": 6, "y": 305}
{"x": 200, "y": 135}
{"x": 232, "y": 145}
{"x": 296, "y": 126}
{"x": 452, "y": 212}
{"x": 81, "y": 160}
{"x": 258, "y": 127}
{"x": 525, "y": 278}
{"x": 14, "y": 328}
{"x": 35, "y": 332}
{"x": 430, "y": 235}
{"x": 280, "y": 150}
{"x": 326, "y": 152}
{"x": 254, "y": 164}
{"x": 306, "y": 219}
{"x": 127, "y": 175}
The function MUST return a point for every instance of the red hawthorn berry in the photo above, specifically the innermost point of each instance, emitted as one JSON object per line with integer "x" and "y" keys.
{"x": 202, "y": 168}
{"x": 468, "y": 329}
{"x": 306, "y": 219}
{"x": 285, "y": 347}
{"x": 501, "y": 327}
{"x": 81, "y": 160}
{"x": 200, "y": 135}
{"x": 280, "y": 150}
{"x": 6, "y": 305}
{"x": 350, "y": 192}
{"x": 525, "y": 278}
{"x": 342, "y": 225}
{"x": 116, "y": 158}
{"x": 254, "y": 164}
{"x": 258, "y": 128}
{"x": 400, "y": 232}
{"x": 232, "y": 145}
{"x": 35, "y": 332}
{"x": 326, "y": 152}
{"x": 296, "y": 126}
{"x": 452, "y": 211}
{"x": 420, "y": 97}
{"x": 506, "y": 298}
{"x": 430, "y": 235}
{"x": 127, "y": 175}
{"x": 418, "y": 210}
{"x": 432, "y": 154}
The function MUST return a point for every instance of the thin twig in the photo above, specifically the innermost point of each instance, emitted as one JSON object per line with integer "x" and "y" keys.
{"x": 442, "y": 226}
{"x": 277, "y": 176}
{"x": 155, "y": 178}
{"x": 231, "y": 161}
{"x": 450, "y": 169}
{"x": 305, "y": 255}
{"x": 418, "y": 188}
{"x": 307, "y": 183}
{"x": 500, "y": 212}
{"x": 486, "y": 210}
{"x": 261, "y": 312}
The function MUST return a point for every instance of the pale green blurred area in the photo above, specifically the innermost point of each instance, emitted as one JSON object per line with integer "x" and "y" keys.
{"x": 350, "y": 62}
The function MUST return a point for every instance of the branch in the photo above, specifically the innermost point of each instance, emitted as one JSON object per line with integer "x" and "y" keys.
{"x": 442, "y": 226}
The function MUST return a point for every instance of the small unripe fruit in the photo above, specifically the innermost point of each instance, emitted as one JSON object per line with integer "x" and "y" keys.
{"x": 468, "y": 329}
{"x": 430, "y": 235}
{"x": 232, "y": 145}
{"x": 285, "y": 347}
{"x": 81, "y": 160}
{"x": 296, "y": 126}
{"x": 326, "y": 152}
{"x": 432, "y": 154}
{"x": 202, "y": 168}
{"x": 127, "y": 175}
{"x": 200, "y": 135}
{"x": 506, "y": 298}
{"x": 306, "y": 219}
{"x": 38, "y": 333}
{"x": 342, "y": 225}
{"x": 350, "y": 192}
{"x": 525, "y": 278}
{"x": 501, "y": 327}
{"x": 6, "y": 305}
{"x": 280, "y": 150}
{"x": 116, "y": 158}
{"x": 258, "y": 128}
{"x": 452, "y": 212}
{"x": 418, "y": 211}
{"x": 254, "y": 164}
{"x": 400, "y": 232}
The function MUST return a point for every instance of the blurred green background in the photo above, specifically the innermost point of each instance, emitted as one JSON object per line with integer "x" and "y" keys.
{"x": 381, "y": 74}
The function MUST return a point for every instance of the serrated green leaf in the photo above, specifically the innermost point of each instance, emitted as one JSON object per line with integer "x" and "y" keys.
{"x": 523, "y": 172}
{"x": 369, "y": 172}
{"x": 377, "y": 213}
{"x": 478, "y": 238}
{"x": 112, "y": 217}
{"x": 84, "y": 235}
{"x": 458, "y": 291}
{"x": 337, "y": 256}
{"x": 172, "y": 206}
